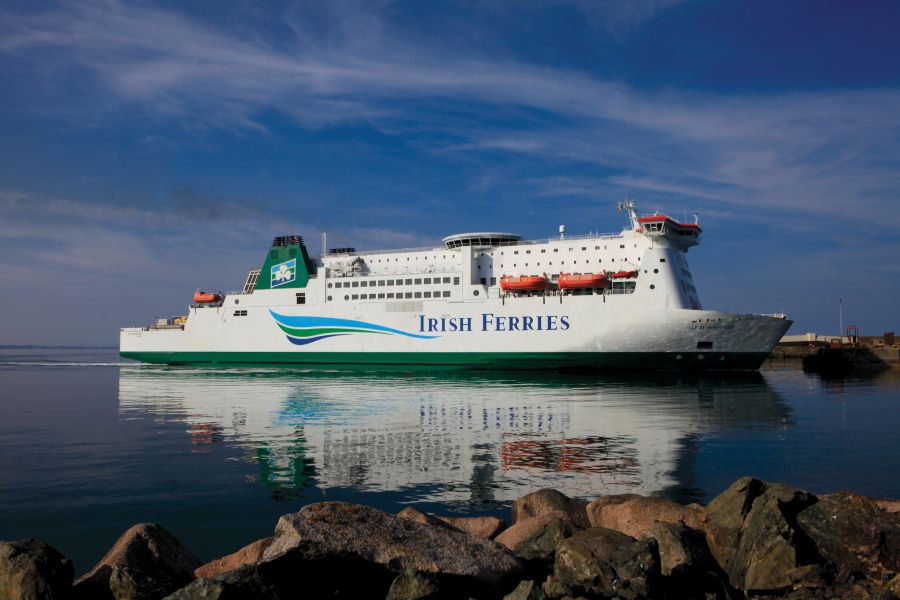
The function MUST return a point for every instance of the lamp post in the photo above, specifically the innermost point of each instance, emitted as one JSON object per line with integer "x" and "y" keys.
{"x": 841, "y": 317}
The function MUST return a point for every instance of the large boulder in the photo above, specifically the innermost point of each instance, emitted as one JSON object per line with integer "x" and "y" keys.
{"x": 534, "y": 541}
{"x": 483, "y": 527}
{"x": 146, "y": 563}
{"x": 633, "y": 515}
{"x": 33, "y": 570}
{"x": 250, "y": 553}
{"x": 600, "y": 562}
{"x": 548, "y": 501}
{"x": 855, "y": 534}
{"x": 752, "y": 532}
{"x": 338, "y": 529}
{"x": 412, "y": 585}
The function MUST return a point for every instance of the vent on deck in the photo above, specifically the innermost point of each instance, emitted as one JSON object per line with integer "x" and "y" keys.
{"x": 342, "y": 251}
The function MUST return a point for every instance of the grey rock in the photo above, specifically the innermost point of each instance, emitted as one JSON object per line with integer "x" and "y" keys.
{"x": 534, "y": 541}
{"x": 752, "y": 532}
{"x": 412, "y": 585}
{"x": 33, "y": 570}
{"x": 549, "y": 501}
{"x": 146, "y": 563}
{"x": 600, "y": 562}
{"x": 337, "y": 529}
{"x": 526, "y": 590}
{"x": 682, "y": 549}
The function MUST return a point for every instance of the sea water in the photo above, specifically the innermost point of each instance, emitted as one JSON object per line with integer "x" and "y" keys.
{"x": 91, "y": 444}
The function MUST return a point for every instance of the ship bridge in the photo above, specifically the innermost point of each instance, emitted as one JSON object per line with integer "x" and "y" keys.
{"x": 481, "y": 239}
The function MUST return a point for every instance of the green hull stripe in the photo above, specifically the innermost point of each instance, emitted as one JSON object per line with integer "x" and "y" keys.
{"x": 650, "y": 361}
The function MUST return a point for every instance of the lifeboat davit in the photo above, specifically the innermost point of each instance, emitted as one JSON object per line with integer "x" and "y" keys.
{"x": 581, "y": 281}
{"x": 206, "y": 297}
{"x": 623, "y": 274}
{"x": 524, "y": 283}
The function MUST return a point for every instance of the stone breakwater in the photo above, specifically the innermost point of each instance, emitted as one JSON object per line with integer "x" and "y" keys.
{"x": 755, "y": 540}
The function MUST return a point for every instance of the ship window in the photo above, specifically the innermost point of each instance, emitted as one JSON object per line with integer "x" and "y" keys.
{"x": 363, "y": 284}
{"x": 381, "y": 283}
{"x": 515, "y": 251}
{"x": 656, "y": 270}
{"x": 355, "y": 297}
{"x": 493, "y": 281}
{"x": 418, "y": 295}
{"x": 329, "y": 286}
{"x": 390, "y": 295}
{"x": 528, "y": 252}
{"x": 475, "y": 293}
{"x": 409, "y": 282}
{"x": 456, "y": 281}
{"x": 427, "y": 295}
{"x": 390, "y": 282}
{"x": 556, "y": 249}
{"x": 380, "y": 296}
{"x": 596, "y": 247}
{"x": 446, "y": 280}
{"x": 418, "y": 282}
{"x": 543, "y": 251}
{"x": 483, "y": 281}
{"x": 584, "y": 247}
{"x": 446, "y": 294}
{"x": 621, "y": 245}
{"x": 437, "y": 281}
{"x": 301, "y": 298}
{"x": 662, "y": 260}
{"x": 329, "y": 298}
{"x": 704, "y": 345}
{"x": 427, "y": 280}
{"x": 355, "y": 284}
{"x": 346, "y": 297}
{"x": 652, "y": 287}
{"x": 408, "y": 295}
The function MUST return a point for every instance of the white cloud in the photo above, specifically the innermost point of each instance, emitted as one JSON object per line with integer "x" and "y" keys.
{"x": 837, "y": 151}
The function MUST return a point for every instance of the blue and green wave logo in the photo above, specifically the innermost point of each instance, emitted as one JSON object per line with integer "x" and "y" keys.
{"x": 306, "y": 330}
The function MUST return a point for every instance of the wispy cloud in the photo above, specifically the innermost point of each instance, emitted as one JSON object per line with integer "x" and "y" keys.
{"x": 835, "y": 150}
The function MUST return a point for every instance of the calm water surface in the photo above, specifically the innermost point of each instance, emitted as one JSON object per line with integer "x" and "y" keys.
{"x": 90, "y": 445}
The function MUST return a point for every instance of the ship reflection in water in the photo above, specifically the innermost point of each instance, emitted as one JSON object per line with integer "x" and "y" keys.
{"x": 452, "y": 437}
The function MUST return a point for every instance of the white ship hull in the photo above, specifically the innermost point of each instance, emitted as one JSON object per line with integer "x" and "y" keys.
{"x": 441, "y": 311}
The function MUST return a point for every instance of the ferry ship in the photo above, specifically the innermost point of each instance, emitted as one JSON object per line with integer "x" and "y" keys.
{"x": 484, "y": 300}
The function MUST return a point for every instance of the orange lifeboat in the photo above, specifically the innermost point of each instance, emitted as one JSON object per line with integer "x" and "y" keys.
{"x": 524, "y": 283}
{"x": 623, "y": 274}
{"x": 581, "y": 281}
{"x": 206, "y": 297}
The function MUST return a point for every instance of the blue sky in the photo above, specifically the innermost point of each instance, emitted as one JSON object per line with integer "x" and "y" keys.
{"x": 147, "y": 149}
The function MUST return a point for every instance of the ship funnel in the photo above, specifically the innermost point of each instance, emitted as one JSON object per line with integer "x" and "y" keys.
{"x": 287, "y": 264}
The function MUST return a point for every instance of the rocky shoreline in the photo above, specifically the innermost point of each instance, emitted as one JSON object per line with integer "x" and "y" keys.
{"x": 755, "y": 540}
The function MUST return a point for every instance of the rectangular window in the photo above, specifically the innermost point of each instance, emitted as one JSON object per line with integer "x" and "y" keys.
{"x": 456, "y": 281}
{"x": 418, "y": 294}
{"x": 381, "y": 283}
{"x": 355, "y": 284}
{"x": 380, "y": 296}
{"x": 408, "y": 295}
{"x": 493, "y": 281}
{"x": 446, "y": 280}
{"x": 409, "y": 282}
{"x": 354, "y": 297}
{"x": 301, "y": 298}
{"x": 427, "y": 294}
{"x": 390, "y": 282}
{"x": 418, "y": 282}
{"x": 427, "y": 280}
{"x": 543, "y": 251}
{"x": 704, "y": 345}
{"x": 446, "y": 294}
{"x": 662, "y": 260}
{"x": 390, "y": 295}
{"x": 483, "y": 281}
{"x": 363, "y": 283}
